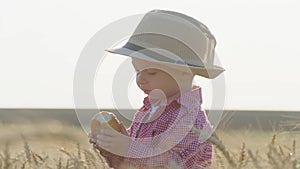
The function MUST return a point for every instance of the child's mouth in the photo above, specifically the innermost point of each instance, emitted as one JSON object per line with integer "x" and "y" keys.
{"x": 147, "y": 91}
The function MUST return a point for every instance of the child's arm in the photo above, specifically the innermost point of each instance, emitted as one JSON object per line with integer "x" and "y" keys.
{"x": 178, "y": 145}
{"x": 112, "y": 160}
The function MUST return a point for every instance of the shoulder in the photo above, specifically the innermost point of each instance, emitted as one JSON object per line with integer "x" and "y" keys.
{"x": 201, "y": 119}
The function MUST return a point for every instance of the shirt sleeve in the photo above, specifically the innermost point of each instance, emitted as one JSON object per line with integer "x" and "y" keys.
{"x": 177, "y": 145}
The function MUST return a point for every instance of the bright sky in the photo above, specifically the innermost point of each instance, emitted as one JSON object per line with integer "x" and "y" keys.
{"x": 257, "y": 44}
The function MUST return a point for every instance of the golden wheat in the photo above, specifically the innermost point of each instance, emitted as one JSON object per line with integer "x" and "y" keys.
{"x": 68, "y": 151}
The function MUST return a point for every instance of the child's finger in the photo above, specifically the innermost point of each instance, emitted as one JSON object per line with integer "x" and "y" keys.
{"x": 96, "y": 146}
{"x": 108, "y": 132}
{"x": 91, "y": 140}
{"x": 104, "y": 145}
{"x": 104, "y": 138}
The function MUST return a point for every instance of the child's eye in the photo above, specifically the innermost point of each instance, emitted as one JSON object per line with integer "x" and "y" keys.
{"x": 151, "y": 72}
{"x": 148, "y": 71}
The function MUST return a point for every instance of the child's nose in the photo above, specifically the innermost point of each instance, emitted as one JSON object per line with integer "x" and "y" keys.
{"x": 140, "y": 78}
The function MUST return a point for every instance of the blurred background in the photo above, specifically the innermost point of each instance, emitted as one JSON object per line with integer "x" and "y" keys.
{"x": 41, "y": 41}
{"x": 257, "y": 44}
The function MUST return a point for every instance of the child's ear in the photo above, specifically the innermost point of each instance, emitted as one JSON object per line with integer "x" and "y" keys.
{"x": 187, "y": 76}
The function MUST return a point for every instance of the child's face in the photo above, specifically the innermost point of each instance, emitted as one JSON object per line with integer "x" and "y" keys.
{"x": 152, "y": 76}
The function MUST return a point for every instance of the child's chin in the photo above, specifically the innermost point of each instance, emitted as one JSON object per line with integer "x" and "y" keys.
{"x": 147, "y": 91}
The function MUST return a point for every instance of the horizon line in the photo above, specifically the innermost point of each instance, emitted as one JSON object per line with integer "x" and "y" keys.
{"x": 106, "y": 108}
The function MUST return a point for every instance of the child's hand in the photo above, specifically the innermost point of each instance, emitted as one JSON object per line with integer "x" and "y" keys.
{"x": 113, "y": 141}
{"x": 112, "y": 160}
{"x": 93, "y": 141}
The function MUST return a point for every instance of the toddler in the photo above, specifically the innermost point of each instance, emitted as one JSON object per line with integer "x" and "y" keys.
{"x": 168, "y": 49}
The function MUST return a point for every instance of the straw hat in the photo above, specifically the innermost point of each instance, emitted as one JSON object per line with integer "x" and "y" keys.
{"x": 173, "y": 39}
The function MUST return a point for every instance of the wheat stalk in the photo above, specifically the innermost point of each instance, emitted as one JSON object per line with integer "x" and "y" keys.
{"x": 294, "y": 160}
{"x": 6, "y": 157}
{"x": 67, "y": 164}
{"x": 39, "y": 157}
{"x": 1, "y": 160}
{"x": 99, "y": 156}
{"x": 218, "y": 143}
{"x": 89, "y": 158}
{"x": 219, "y": 159}
{"x": 78, "y": 151}
{"x": 65, "y": 152}
{"x": 242, "y": 156}
{"x": 59, "y": 165}
{"x": 23, "y": 165}
{"x": 26, "y": 149}
{"x": 254, "y": 159}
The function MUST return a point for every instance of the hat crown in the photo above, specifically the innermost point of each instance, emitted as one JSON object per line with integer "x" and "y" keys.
{"x": 176, "y": 33}
{"x": 173, "y": 39}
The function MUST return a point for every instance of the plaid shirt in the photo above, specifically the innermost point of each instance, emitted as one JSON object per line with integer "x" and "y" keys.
{"x": 166, "y": 139}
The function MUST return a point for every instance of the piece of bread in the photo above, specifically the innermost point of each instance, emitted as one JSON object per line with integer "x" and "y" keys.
{"x": 102, "y": 120}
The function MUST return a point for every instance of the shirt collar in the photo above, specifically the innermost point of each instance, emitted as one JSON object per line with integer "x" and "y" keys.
{"x": 191, "y": 99}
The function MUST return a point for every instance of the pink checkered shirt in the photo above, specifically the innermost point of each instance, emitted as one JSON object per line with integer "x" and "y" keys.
{"x": 166, "y": 138}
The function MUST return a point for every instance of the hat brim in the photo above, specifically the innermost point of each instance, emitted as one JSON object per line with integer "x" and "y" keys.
{"x": 209, "y": 72}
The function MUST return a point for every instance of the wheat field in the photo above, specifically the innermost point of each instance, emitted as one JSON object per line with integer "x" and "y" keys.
{"x": 54, "y": 145}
